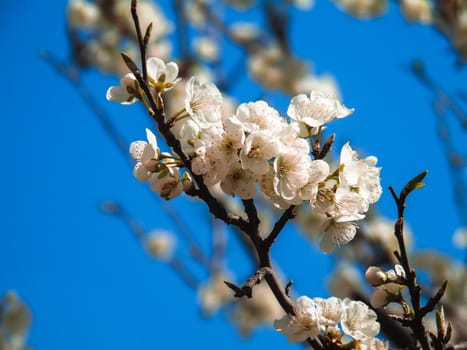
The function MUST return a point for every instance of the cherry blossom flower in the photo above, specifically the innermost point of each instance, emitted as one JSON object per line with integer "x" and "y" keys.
{"x": 291, "y": 171}
{"x": 203, "y": 102}
{"x": 239, "y": 181}
{"x": 258, "y": 149}
{"x": 126, "y": 93}
{"x": 360, "y": 174}
{"x": 305, "y": 324}
{"x": 162, "y": 76}
{"x": 329, "y": 311}
{"x": 336, "y": 233}
{"x": 316, "y": 110}
{"x": 358, "y": 320}
{"x": 146, "y": 155}
{"x": 259, "y": 115}
{"x": 167, "y": 182}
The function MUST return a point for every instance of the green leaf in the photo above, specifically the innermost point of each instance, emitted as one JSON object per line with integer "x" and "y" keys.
{"x": 130, "y": 64}
{"x": 414, "y": 184}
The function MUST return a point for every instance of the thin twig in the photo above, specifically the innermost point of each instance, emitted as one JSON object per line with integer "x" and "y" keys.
{"x": 279, "y": 225}
{"x": 142, "y": 43}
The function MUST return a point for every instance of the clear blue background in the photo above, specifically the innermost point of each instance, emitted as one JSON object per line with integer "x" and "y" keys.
{"x": 87, "y": 280}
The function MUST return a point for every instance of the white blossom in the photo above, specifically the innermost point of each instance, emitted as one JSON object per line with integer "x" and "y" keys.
{"x": 291, "y": 173}
{"x": 336, "y": 233}
{"x": 375, "y": 275}
{"x": 239, "y": 181}
{"x": 203, "y": 102}
{"x": 329, "y": 311}
{"x": 316, "y": 110}
{"x": 360, "y": 175}
{"x": 305, "y": 324}
{"x": 125, "y": 93}
{"x": 146, "y": 155}
{"x": 317, "y": 173}
{"x": 162, "y": 76}
{"x": 259, "y": 115}
{"x": 258, "y": 149}
{"x": 358, "y": 320}
{"x": 167, "y": 182}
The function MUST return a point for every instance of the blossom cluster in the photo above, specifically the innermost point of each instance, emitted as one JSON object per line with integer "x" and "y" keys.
{"x": 334, "y": 318}
{"x": 389, "y": 284}
{"x": 254, "y": 146}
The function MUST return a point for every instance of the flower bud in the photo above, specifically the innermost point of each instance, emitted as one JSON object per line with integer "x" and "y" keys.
{"x": 392, "y": 288}
{"x": 379, "y": 298}
{"x": 187, "y": 182}
{"x": 376, "y": 276}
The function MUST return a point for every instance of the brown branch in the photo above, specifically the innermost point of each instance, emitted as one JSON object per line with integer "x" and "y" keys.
{"x": 142, "y": 42}
{"x": 279, "y": 225}
{"x": 415, "y": 321}
{"x": 247, "y": 288}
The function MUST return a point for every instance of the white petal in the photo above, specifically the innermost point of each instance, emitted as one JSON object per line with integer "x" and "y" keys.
{"x": 137, "y": 149}
{"x": 171, "y": 71}
{"x": 120, "y": 95}
{"x": 151, "y": 138}
{"x": 140, "y": 172}
{"x": 155, "y": 67}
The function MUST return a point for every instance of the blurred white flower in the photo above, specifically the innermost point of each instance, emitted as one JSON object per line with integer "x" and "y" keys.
{"x": 417, "y": 10}
{"x": 261, "y": 309}
{"x": 82, "y": 14}
{"x": 206, "y": 48}
{"x": 213, "y": 294}
{"x": 160, "y": 244}
{"x": 363, "y": 8}
{"x": 460, "y": 237}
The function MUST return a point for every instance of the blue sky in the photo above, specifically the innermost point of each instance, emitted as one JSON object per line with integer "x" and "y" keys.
{"x": 87, "y": 280}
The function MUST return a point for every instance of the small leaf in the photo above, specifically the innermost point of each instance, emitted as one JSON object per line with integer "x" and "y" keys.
{"x": 441, "y": 323}
{"x": 130, "y": 64}
{"x": 448, "y": 333}
{"x": 147, "y": 34}
{"x": 414, "y": 184}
